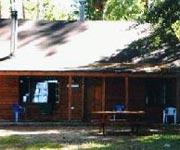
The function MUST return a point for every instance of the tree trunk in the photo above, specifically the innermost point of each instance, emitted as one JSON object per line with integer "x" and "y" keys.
{"x": 23, "y": 10}
{"x": 0, "y": 9}
{"x": 146, "y": 3}
{"x": 37, "y": 9}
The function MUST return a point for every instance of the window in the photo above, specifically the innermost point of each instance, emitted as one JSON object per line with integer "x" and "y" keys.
{"x": 39, "y": 90}
{"x": 41, "y": 93}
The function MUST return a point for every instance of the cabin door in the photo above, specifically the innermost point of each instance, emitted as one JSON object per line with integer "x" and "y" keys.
{"x": 96, "y": 104}
{"x": 93, "y": 97}
{"x": 76, "y": 104}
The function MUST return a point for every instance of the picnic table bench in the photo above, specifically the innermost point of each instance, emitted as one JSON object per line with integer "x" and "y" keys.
{"x": 124, "y": 118}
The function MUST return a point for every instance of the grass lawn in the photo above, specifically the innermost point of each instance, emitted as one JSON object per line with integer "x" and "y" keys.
{"x": 85, "y": 138}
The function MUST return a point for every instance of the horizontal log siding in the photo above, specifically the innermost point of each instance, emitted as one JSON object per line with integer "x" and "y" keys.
{"x": 136, "y": 94}
{"x": 9, "y": 94}
{"x": 115, "y": 92}
{"x": 60, "y": 111}
{"x": 92, "y": 97}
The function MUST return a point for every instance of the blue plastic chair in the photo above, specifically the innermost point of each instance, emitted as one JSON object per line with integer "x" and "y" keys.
{"x": 118, "y": 108}
{"x": 16, "y": 112}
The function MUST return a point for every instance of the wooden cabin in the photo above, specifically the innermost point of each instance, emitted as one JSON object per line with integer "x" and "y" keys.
{"x": 62, "y": 71}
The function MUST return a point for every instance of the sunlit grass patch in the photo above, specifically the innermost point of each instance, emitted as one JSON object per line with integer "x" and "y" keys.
{"x": 156, "y": 137}
{"x": 10, "y": 140}
{"x": 85, "y": 146}
{"x": 17, "y": 142}
{"x": 93, "y": 145}
{"x": 161, "y": 141}
{"x": 44, "y": 146}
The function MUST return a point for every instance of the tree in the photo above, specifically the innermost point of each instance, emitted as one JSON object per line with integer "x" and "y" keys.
{"x": 0, "y": 9}
{"x": 48, "y": 10}
{"x": 124, "y": 9}
{"x": 29, "y": 9}
{"x": 23, "y": 10}
{"x": 36, "y": 9}
{"x": 166, "y": 17}
{"x": 95, "y": 9}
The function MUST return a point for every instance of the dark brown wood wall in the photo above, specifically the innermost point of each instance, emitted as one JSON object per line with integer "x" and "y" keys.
{"x": 94, "y": 89}
{"x": 115, "y": 92}
{"x": 178, "y": 96}
{"x": 136, "y": 94}
{"x": 9, "y": 94}
{"x": 61, "y": 108}
{"x": 91, "y": 100}
{"x": 92, "y": 96}
{"x": 60, "y": 111}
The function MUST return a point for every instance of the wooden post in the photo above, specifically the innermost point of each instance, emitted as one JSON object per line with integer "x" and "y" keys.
{"x": 82, "y": 97}
{"x": 127, "y": 93}
{"x": 178, "y": 96}
{"x": 103, "y": 93}
{"x": 69, "y": 96}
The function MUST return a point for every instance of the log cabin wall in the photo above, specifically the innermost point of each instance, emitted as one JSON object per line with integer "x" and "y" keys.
{"x": 178, "y": 96}
{"x": 92, "y": 96}
{"x": 115, "y": 92}
{"x": 9, "y": 94}
{"x": 160, "y": 93}
{"x": 171, "y": 92}
{"x": 88, "y": 98}
{"x": 61, "y": 108}
{"x": 136, "y": 94}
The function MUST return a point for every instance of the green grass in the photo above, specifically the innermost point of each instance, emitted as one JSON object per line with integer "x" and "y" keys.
{"x": 158, "y": 141}
{"x": 18, "y": 142}
{"x": 161, "y": 141}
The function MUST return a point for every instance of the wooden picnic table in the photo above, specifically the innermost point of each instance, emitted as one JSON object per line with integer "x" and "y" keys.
{"x": 133, "y": 118}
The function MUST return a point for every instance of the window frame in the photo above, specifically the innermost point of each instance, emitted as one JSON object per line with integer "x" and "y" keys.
{"x": 28, "y": 85}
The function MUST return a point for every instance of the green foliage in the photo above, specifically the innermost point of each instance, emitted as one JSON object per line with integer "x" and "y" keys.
{"x": 165, "y": 16}
{"x": 156, "y": 41}
{"x": 176, "y": 28}
{"x": 166, "y": 13}
{"x": 124, "y": 9}
{"x": 30, "y": 9}
{"x": 48, "y": 11}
